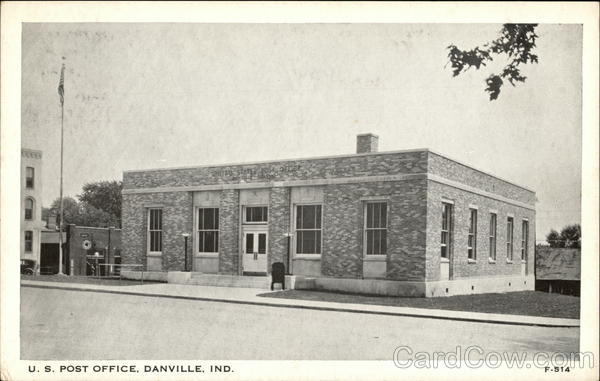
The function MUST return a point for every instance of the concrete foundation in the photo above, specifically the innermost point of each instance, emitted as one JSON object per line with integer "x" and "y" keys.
{"x": 480, "y": 285}
{"x": 420, "y": 289}
{"x": 180, "y": 277}
{"x": 381, "y": 287}
{"x": 157, "y": 276}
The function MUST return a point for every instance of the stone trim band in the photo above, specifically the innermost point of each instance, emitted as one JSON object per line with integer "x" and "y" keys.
{"x": 340, "y": 180}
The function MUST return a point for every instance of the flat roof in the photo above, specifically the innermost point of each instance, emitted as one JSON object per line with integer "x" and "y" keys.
{"x": 329, "y": 157}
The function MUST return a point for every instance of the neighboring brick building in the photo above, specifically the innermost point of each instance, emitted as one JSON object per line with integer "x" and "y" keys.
{"x": 80, "y": 245}
{"x": 414, "y": 216}
{"x": 31, "y": 205}
{"x": 104, "y": 241}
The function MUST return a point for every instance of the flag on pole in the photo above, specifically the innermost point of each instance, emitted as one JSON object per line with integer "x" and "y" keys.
{"x": 61, "y": 85}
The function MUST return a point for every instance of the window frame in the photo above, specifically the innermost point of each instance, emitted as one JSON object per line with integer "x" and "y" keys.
{"x": 448, "y": 245}
{"x": 30, "y": 184}
{"x": 198, "y": 231}
{"x": 149, "y": 231}
{"x": 524, "y": 239}
{"x": 366, "y": 229}
{"x": 510, "y": 238}
{"x": 472, "y": 233}
{"x": 245, "y": 215}
{"x": 32, "y": 214}
{"x": 295, "y": 216}
{"x": 28, "y": 241}
{"x": 493, "y": 238}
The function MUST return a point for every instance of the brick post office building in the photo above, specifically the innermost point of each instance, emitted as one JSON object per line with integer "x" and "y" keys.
{"x": 409, "y": 222}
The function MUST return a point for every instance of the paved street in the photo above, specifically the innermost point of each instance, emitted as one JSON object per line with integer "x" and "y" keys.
{"x": 61, "y": 324}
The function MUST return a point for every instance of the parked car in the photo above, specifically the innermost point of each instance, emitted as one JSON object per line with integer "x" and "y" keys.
{"x": 27, "y": 266}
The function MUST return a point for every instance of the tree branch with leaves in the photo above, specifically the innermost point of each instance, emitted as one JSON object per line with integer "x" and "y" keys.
{"x": 516, "y": 41}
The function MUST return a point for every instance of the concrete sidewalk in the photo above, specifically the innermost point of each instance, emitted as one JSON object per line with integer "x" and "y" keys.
{"x": 250, "y": 296}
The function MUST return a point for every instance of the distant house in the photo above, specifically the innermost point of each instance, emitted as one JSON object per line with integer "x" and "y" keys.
{"x": 558, "y": 270}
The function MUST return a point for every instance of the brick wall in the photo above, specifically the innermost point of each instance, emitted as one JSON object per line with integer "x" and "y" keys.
{"x": 99, "y": 238}
{"x": 347, "y": 166}
{"x": 229, "y": 221}
{"x": 279, "y": 221}
{"x": 414, "y": 214}
{"x": 481, "y": 268}
{"x": 177, "y": 219}
{"x": 449, "y": 169}
{"x": 343, "y": 228}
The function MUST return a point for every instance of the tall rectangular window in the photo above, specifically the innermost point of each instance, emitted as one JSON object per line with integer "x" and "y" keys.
{"x": 493, "y": 232}
{"x": 509, "y": 238}
{"x": 28, "y": 209}
{"x": 155, "y": 230}
{"x": 208, "y": 230}
{"x": 28, "y": 241}
{"x": 524, "y": 240}
{"x": 446, "y": 242}
{"x": 375, "y": 228}
{"x": 472, "y": 239}
{"x": 29, "y": 177}
{"x": 308, "y": 229}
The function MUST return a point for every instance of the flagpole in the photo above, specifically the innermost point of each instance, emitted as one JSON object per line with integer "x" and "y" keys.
{"x": 60, "y": 228}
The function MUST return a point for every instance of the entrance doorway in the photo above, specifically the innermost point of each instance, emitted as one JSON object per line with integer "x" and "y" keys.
{"x": 254, "y": 250}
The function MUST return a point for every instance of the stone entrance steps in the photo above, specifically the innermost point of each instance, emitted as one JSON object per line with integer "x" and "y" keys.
{"x": 219, "y": 280}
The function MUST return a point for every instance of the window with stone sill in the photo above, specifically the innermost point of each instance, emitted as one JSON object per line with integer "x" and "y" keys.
{"x": 492, "y": 236}
{"x": 509, "y": 238}
{"x": 524, "y": 240}
{"x": 155, "y": 228}
{"x": 29, "y": 208}
{"x": 472, "y": 237}
{"x": 375, "y": 228}
{"x": 308, "y": 229}
{"x": 446, "y": 239}
{"x": 208, "y": 230}
{"x": 29, "y": 177}
{"x": 28, "y": 241}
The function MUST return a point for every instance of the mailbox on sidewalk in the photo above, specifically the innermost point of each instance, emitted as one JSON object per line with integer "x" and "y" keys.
{"x": 278, "y": 275}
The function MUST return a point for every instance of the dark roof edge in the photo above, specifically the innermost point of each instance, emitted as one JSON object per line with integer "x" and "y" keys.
{"x": 331, "y": 157}
{"x": 481, "y": 171}
{"x": 281, "y": 160}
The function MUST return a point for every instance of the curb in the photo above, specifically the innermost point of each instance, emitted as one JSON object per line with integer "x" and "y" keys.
{"x": 305, "y": 306}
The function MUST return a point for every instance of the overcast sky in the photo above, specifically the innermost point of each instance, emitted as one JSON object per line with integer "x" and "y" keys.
{"x": 161, "y": 95}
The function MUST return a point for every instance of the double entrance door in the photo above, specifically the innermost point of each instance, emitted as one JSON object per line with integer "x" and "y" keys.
{"x": 254, "y": 249}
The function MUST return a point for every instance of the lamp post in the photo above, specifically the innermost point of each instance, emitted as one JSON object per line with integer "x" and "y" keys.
{"x": 97, "y": 257}
{"x": 185, "y": 238}
{"x": 289, "y": 238}
{"x": 108, "y": 259}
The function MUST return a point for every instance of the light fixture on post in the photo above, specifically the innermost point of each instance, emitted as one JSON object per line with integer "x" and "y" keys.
{"x": 185, "y": 237}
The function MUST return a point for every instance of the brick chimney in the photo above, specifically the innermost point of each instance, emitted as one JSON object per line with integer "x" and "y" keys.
{"x": 366, "y": 143}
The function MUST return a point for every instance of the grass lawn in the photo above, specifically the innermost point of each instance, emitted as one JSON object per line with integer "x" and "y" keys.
{"x": 84, "y": 280}
{"x": 531, "y": 303}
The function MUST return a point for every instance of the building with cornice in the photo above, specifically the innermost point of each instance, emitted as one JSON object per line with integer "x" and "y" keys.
{"x": 31, "y": 205}
{"x": 407, "y": 223}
